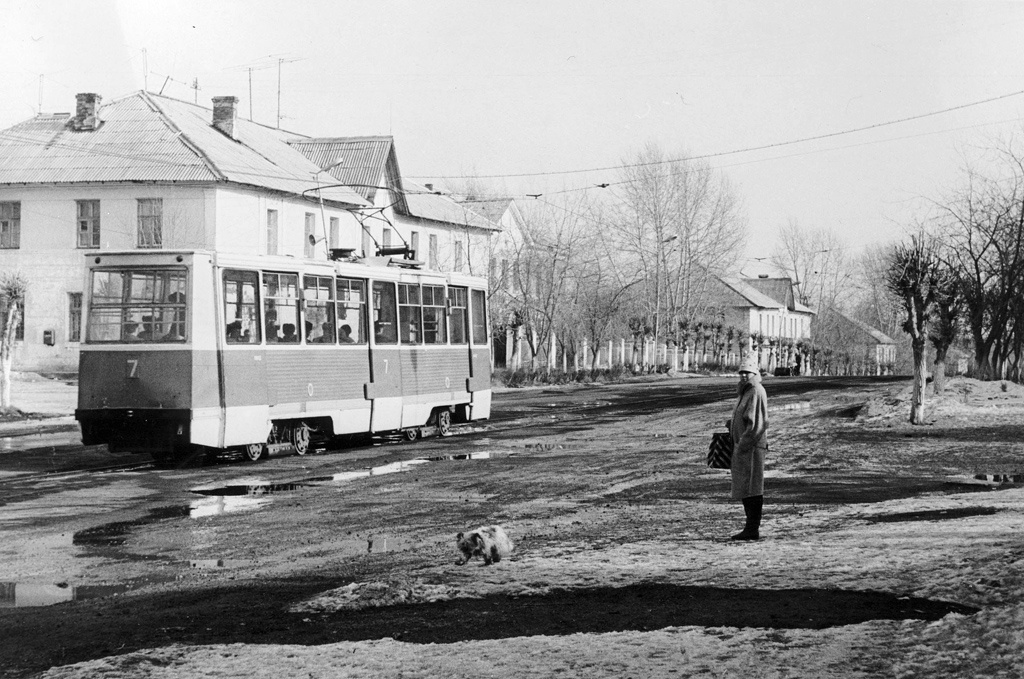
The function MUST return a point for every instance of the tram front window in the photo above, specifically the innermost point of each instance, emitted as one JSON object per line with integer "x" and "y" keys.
{"x": 136, "y": 305}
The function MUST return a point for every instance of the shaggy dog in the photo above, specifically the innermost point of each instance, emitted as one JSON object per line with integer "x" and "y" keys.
{"x": 490, "y": 542}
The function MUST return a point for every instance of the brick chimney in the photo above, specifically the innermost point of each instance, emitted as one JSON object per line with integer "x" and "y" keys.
{"x": 225, "y": 110}
{"x": 87, "y": 107}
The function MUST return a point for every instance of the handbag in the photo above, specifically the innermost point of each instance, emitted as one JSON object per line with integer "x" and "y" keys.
{"x": 720, "y": 450}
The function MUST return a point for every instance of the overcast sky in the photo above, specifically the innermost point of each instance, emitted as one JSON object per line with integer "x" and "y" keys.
{"x": 548, "y": 87}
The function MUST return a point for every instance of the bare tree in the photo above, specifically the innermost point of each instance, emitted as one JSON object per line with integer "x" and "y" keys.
{"x": 915, "y": 275}
{"x": 817, "y": 261}
{"x": 983, "y": 223}
{"x": 945, "y": 326}
{"x": 679, "y": 223}
{"x": 12, "y": 304}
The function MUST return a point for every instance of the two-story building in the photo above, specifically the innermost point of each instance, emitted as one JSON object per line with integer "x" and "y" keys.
{"x": 147, "y": 171}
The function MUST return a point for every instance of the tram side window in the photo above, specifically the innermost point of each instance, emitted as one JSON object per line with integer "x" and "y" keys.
{"x": 133, "y": 305}
{"x": 281, "y": 307}
{"x": 385, "y": 316}
{"x": 319, "y": 303}
{"x": 351, "y": 303}
{"x": 479, "y": 317}
{"x": 458, "y": 317}
{"x": 241, "y": 307}
{"x": 434, "y": 327}
{"x": 410, "y": 321}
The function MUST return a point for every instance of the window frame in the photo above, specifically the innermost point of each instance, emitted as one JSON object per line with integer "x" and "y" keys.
{"x": 10, "y": 225}
{"x": 273, "y": 231}
{"x": 255, "y": 325}
{"x": 90, "y": 221}
{"x": 343, "y": 301}
{"x": 458, "y": 309}
{"x": 410, "y": 314}
{"x": 293, "y": 301}
{"x": 309, "y": 228}
{"x": 478, "y": 318}
{"x": 385, "y": 318}
{"x": 434, "y": 305}
{"x": 150, "y": 226}
{"x": 321, "y": 284}
{"x": 75, "y": 317}
{"x": 129, "y": 310}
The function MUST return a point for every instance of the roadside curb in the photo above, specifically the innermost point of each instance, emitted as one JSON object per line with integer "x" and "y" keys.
{"x": 38, "y": 424}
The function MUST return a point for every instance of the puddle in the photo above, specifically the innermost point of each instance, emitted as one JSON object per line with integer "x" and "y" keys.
{"x": 29, "y": 594}
{"x": 33, "y": 594}
{"x": 253, "y": 494}
{"x": 548, "y": 447}
{"x": 11, "y": 444}
{"x": 933, "y": 515}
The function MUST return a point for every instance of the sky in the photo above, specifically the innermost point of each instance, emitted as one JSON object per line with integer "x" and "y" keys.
{"x": 547, "y": 96}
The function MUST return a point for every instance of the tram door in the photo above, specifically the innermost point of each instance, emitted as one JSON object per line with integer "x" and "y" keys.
{"x": 384, "y": 390}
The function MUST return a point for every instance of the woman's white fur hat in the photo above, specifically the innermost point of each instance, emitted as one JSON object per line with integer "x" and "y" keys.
{"x": 749, "y": 364}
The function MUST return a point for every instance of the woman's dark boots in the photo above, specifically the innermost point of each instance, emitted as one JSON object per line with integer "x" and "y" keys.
{"x": 752, "y": 508}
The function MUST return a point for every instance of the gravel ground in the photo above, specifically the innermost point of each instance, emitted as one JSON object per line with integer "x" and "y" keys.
{"x": 622, "y": 566}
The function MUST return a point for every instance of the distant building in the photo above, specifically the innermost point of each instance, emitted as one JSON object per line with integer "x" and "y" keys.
{"x": 858, "y": 341}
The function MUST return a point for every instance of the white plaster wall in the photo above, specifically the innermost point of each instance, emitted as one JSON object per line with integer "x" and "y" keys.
{"x": 228, "y": 219}
{"x": 53, "y": 265}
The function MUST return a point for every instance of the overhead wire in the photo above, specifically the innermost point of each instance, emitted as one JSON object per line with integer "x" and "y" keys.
{"x": 748, "y": 149}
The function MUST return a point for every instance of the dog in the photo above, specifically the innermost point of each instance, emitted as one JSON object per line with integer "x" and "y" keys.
{"x": 490, "y": 542}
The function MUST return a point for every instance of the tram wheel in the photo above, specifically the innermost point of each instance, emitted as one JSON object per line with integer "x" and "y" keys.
{"x": 444, "y": 422}
{"x": 411, "y": 434}
{"x": 300, "y": 438}
{"x": 254, "y": 451}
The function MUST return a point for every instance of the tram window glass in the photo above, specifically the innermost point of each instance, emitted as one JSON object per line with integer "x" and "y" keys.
{"x": 410, "y": 321}
{"x": 241, "y": 307}
{"x": 434, "y": 327}
{"x": 385, "y": 316}
{"x": 319, "y": 303}
{"x": 281, "y": 307}
{"x": 138, "y": 306}
{"x": 458, "y": 317}
{"x": 351, "y": 304}
{"x": 479, "y": 317}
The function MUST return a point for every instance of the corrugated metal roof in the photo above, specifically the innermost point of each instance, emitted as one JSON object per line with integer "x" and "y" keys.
{"x": 429, "y": 205}
{"x": 146, "y": 137}
{"x": 362, "y": 163}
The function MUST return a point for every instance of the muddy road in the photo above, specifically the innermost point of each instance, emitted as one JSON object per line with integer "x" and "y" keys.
{"x": 97, "y": 563}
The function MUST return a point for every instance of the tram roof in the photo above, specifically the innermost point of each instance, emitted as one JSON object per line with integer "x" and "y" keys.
{"x": 152, "y": 138}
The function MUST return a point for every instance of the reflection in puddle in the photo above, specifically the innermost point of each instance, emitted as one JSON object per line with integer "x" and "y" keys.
{"x": 28, "y": 594}
{"x": 224, "y": 504}
{"x": 1000, "y": 478}
{"x": 253, "y": 494}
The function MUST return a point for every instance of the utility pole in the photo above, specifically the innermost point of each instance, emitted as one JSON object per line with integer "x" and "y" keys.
{"x": 279, "y": 62}
{"x": 40, "y": 108}
{"x": 195, "y": 86}
{"x": 145, "y": 70}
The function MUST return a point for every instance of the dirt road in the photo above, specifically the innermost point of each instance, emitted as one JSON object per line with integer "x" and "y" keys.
{"x": 622, "y": 562}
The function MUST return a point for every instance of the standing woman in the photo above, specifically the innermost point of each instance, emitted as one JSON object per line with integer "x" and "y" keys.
{"x": 750, "y": 443}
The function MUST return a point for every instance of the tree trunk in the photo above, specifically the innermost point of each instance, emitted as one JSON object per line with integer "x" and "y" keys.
{"x": 7, "y": 353}
{"x": 939, "y": 370}
{"x": 917, "y": 395}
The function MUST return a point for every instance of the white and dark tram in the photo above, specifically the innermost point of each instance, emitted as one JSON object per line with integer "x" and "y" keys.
{"x": 189, "y": 351}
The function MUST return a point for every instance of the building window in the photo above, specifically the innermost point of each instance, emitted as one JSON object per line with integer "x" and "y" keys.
{"x": 335, "y": 239}
{"x": 151, "y": 212}
{"x": 10, "y": 225}
{"x": 271, "y": 232}
{"x": 432, "y": 252}
{"x": 88, "y": 223}
{"x": 309, "y": 238}
{"x": 460, "y": 255}
{"x": 385, "y": 238}
{"x": 414, "y": 243}
{"x": 74, "y": 317}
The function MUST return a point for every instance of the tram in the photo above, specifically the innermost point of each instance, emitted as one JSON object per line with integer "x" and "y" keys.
{"x": 187, "y": 351}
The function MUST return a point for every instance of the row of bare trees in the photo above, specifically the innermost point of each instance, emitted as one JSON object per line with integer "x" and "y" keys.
{"x": 634, "y": 262}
